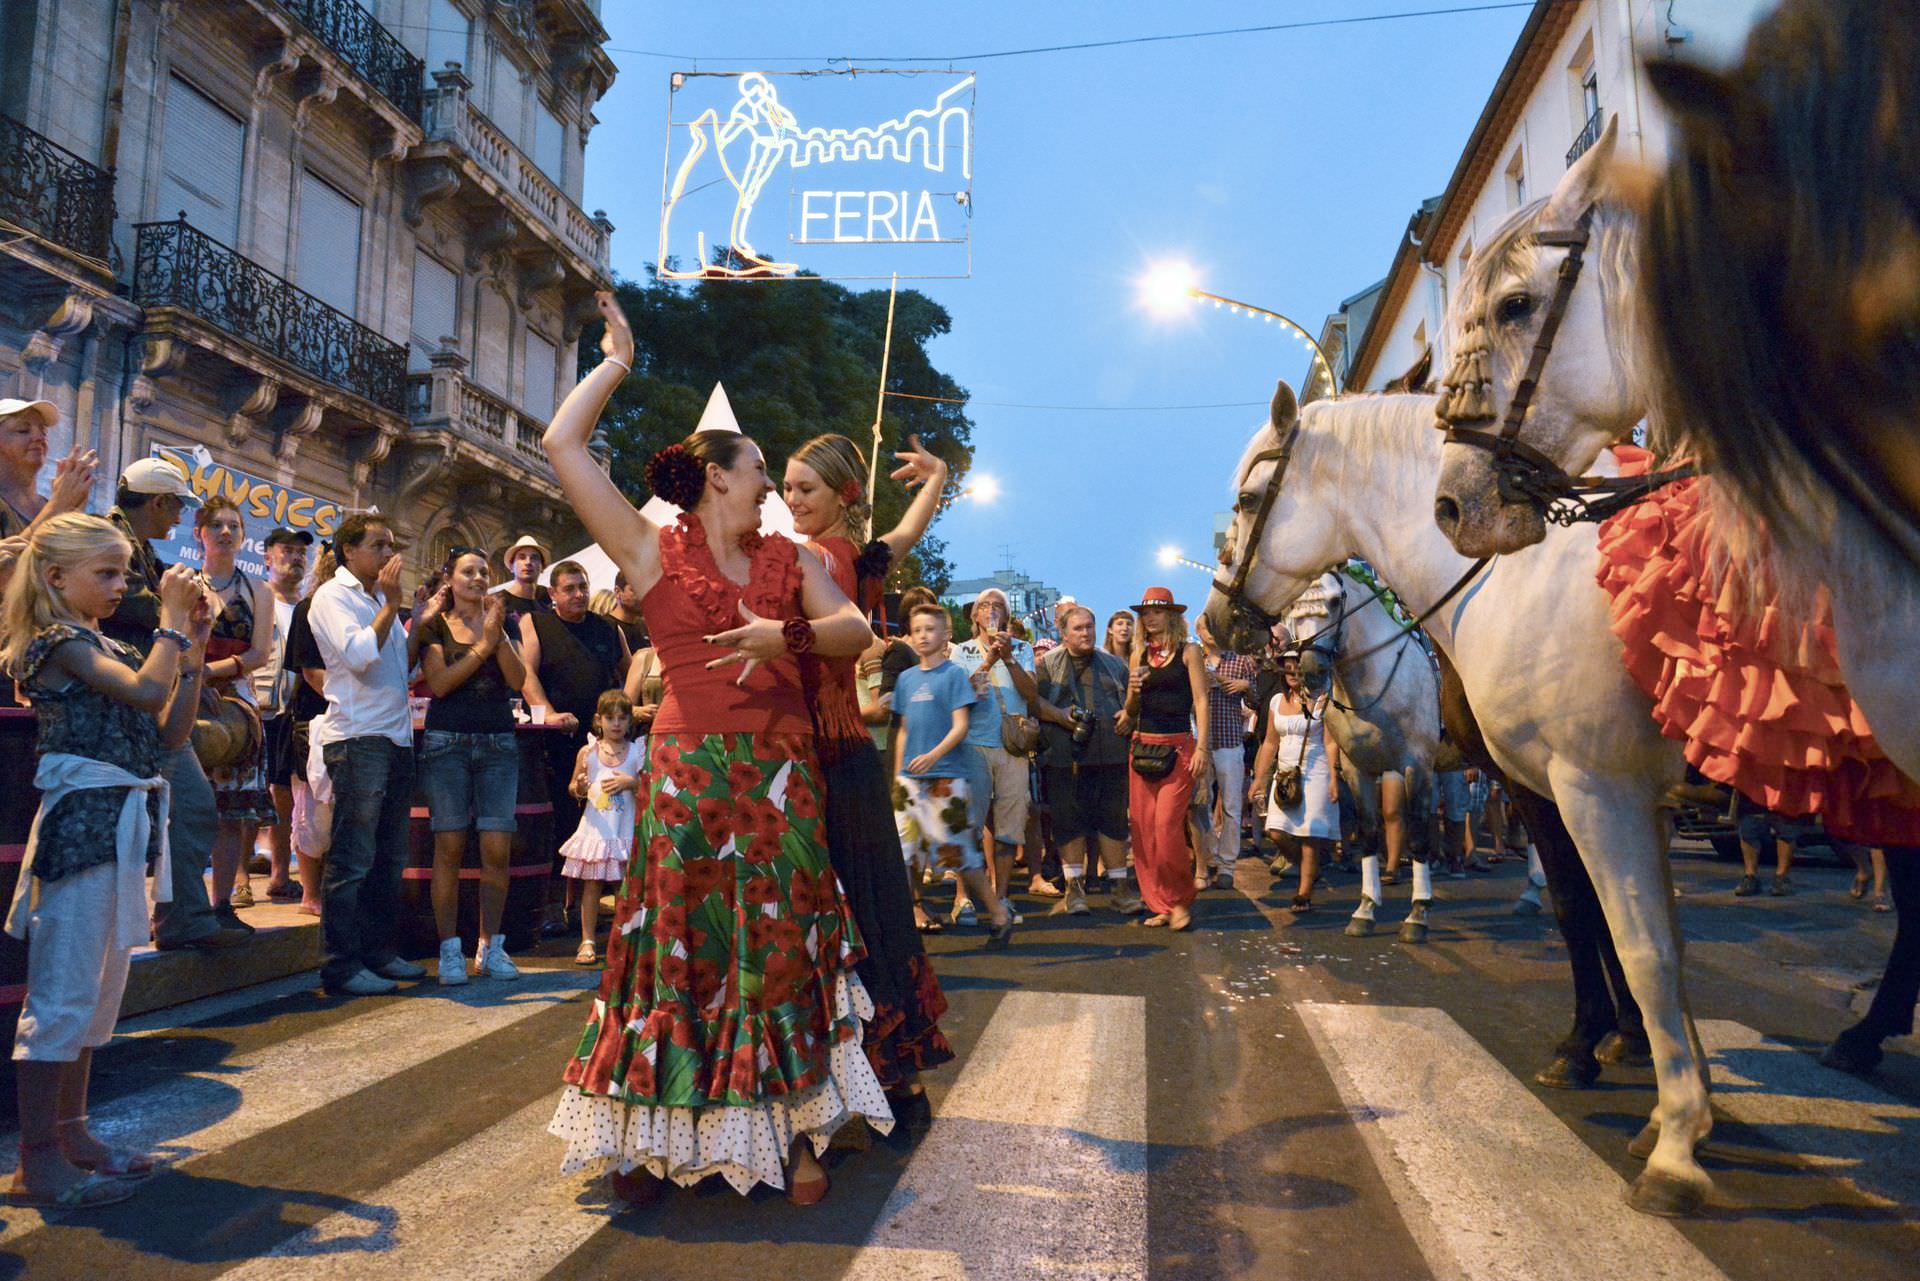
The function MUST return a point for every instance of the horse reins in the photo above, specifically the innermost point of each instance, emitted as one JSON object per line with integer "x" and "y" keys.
{"x": 1525, "y": 474}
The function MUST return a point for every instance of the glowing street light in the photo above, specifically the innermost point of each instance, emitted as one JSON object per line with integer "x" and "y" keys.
{"x": 1170, "y": 556}
{"x": 1166, "y": 287}
{"x": 982, "y": 488}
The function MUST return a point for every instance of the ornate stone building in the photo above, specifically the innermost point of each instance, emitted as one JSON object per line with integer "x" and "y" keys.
{"x": 337, "y": 248}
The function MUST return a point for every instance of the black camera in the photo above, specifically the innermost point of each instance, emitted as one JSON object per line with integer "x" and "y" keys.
{"x": 1082, "y": 728}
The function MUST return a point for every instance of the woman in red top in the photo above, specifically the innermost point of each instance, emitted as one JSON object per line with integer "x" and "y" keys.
{"x": 825, "y": 490}
{"x": 726, "y": 1036}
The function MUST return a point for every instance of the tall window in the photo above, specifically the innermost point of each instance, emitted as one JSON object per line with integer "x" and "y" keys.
{"x": 1589, "y": 93}
{"x": 1517, "y": 179}
{"x": 504, "y": 98}
{"x": 549, "y": 142}
{"x": 542, "y": 367}
{"x": 490, "y": 341}
{"x": 447, "y": 30}
{"x": 329, "y": 251}
{"x": 436, "y": 293}
{"x": 201, "y": 163}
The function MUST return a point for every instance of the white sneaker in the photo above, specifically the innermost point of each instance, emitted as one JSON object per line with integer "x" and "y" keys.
{"x": 1017, "y": 918}
{"x": 453, "y": 963}
{"x": 494, "y": 962}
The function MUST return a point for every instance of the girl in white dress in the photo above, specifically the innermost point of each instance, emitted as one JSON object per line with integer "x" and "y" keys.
{"x": 605, "y": 775}
{"x": 1297, "y": 739}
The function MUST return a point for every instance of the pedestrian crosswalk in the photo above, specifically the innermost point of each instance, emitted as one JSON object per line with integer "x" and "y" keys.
{"x": 1039, "y": 1164}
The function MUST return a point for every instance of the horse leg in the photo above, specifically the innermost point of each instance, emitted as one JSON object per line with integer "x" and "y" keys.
{"x": 1365, "y": 803}
{"x": 1577, "y": 910}
{"x": 1419, "y": 795}
{"x": 1857, "y": 1049}
{"x": 1621, "y": 836}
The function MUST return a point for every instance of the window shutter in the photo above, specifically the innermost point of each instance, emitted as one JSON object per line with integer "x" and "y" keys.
{"x": 490, "y": 343}
{"x": 505, "y": 98}
{"x": 435, "y": 308}
{"x": 549, "y": 143}
{"x": 542, "y": 366}
{"x": 329, "y": 245}
{"x": 446, "y": 41}
{"x": 201, "y": 163}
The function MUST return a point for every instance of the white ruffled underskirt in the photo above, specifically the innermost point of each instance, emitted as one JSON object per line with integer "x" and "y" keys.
{"x": 744, "y": 1145}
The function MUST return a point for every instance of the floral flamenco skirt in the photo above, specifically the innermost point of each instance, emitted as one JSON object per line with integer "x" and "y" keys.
{"x": 1755, "y": 695}
{"x": 729, "y": 1020}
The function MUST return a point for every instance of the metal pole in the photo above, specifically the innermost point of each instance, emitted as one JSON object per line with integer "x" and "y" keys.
{"x": 880, "y": 400}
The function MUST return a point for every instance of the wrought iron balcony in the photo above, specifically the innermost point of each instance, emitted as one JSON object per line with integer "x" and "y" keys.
{"x": 1588, "y": 136}
{"x": 176, "y": 265}
{"x": 54, "y": 193}
{"x": 366, "y": 46}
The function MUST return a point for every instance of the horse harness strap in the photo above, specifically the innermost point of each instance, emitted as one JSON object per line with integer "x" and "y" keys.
{"x": 1236, "y": 590}
{"x": 1525, "y": 474}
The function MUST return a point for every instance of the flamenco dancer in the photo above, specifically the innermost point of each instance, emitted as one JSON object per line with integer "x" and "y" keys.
{"x": 726, "y": 1036}
{"x": 825, "y": 484}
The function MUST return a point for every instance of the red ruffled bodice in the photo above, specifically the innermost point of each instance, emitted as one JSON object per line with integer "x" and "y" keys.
{"x": 1756, "y": 695}
{"x": 832, "y": 683}
{"x": 693, "y": 600}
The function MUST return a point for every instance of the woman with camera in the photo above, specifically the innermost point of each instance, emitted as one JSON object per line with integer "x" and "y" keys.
{"x": 1167, "y": 683}
{"x": 1298, "y": 771}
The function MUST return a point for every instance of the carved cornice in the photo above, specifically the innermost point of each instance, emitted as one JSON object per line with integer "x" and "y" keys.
{"x": 256, "y": 395}
{"x": 429, "y": 181}
{"x": 313, "y": 87}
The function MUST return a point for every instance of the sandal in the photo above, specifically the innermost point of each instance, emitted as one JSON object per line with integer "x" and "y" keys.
{"x": 85, "y": 1194}
{"x": 1155, "y": 921}
{"x": 1881, "y": 903}
{"x": 1302, "y": 904}
{"x": 1860, "y": 882}
{"x": 118, "y": 1163}
{"x": 586, "y": 954}
{"x": 927, "y": 925}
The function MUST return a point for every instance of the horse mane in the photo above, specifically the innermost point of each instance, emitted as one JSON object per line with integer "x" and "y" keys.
{"x": 1781, "y": 273}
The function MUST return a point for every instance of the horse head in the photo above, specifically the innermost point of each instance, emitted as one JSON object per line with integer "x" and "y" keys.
{"x": 1317, "y": 622}
{"x": 1282, "y": 536}
{"x": 1541, "y": 378}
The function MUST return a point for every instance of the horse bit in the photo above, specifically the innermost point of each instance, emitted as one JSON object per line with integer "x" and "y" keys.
{"x": 1525, "y": 474}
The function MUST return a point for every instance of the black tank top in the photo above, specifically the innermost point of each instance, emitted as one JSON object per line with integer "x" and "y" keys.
{"x": 1166, "y": 699}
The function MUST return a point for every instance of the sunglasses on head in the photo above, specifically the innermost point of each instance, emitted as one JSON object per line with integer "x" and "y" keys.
{"x": 455, "y": 553}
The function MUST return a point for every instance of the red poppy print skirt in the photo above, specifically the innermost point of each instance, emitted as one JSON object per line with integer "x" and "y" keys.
{"x": 729, "y": 1019}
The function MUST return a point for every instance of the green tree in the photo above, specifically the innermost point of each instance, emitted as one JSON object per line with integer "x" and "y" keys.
{"x": 798, "y": 358}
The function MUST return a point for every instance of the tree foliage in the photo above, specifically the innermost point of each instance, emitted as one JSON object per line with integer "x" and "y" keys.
{"x": 798, "y": 358}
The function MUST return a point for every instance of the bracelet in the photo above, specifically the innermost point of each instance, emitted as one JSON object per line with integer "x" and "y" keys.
{"x": 169, "y": 634}
{"x": 614, "y": 360}
{"x": 798, "y": 633}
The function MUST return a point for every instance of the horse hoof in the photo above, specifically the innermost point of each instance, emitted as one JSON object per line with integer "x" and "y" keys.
{"x": 1568, "y": 1073}
{"x": 1624, "y": 1051}
{"x": 1526, "y": 907}
{"x": 1857, "y": 1055}
{"x": 1644, "y": 1142}
{"x": 1666, "y": 1196}
{"x": 1360, "y": 927}
{"x": 1413, "y": 932}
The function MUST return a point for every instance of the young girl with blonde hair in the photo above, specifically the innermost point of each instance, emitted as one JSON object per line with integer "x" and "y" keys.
{"x": 103, "y": 716}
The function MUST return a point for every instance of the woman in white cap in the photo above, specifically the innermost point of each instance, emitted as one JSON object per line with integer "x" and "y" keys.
{"x": 24, "y": 425}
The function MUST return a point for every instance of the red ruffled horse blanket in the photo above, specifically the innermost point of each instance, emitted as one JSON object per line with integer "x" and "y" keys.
{"x": 1756, "y": 696}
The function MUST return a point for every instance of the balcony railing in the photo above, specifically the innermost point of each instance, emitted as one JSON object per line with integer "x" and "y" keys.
{"x": 54, "y": 193}
{"x": 366, "y": 46}
{"x": 1588, "y": 136}
{"x": 472, "y": 411}
{"x": 176, "y": 265}
{"x": 451, "y": 117}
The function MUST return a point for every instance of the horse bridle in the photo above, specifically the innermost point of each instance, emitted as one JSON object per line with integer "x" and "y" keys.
{"x": 1525, "y": 474}
{"x": 1236, "y": 590}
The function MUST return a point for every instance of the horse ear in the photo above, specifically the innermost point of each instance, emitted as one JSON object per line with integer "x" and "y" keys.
{"x": 1696, "y": 95}
{"x": 1284, "y": 409}
{"x": 1586, "y": 183}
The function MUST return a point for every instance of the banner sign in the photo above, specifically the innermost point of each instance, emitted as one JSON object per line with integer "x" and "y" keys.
{"x": 851, "y": 176}
{"x": 263, "y": 504}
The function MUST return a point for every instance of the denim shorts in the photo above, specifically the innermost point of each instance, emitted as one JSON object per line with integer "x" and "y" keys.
{"x": 471, "y": 780}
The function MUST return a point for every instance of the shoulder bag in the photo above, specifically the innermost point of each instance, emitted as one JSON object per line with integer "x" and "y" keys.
{"x": 1019, "y": 735}
{"x": 1288, "y": 787}
{"x": 1154, "y": 760}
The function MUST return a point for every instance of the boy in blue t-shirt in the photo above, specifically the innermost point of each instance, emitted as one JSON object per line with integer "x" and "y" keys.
{"x": 930, "y": 792}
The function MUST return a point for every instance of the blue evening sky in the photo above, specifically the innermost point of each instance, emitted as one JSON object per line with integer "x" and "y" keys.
{"x": 1283, "y": 165}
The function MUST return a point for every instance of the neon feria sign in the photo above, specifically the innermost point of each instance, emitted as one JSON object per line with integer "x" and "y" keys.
{"x": 862, "y": 169}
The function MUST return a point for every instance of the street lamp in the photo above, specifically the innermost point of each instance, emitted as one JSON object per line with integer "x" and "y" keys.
{"x": 1166, "y": 287}
{"x": 982, "y": 488}
{"x": 1170, "y": 556}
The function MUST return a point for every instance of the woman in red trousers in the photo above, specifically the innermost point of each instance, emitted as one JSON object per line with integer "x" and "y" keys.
{"x": 1168, "y": 681}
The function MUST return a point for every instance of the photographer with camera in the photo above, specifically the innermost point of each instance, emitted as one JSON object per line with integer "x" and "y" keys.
{"x": 1085, "y": 768}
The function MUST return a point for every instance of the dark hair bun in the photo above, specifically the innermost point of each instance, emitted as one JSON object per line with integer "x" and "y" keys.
{"x": 677, "y": 476}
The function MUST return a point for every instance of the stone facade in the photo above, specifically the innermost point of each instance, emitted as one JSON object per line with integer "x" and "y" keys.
{"x": 294, "y": 196}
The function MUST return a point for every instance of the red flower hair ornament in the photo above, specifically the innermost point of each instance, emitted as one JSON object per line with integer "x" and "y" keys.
{"x": 677, "y": 476}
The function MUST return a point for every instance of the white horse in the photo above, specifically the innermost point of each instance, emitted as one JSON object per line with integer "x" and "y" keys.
{"x": 1543, "y": 672}
{"x": 1385, "y": 716}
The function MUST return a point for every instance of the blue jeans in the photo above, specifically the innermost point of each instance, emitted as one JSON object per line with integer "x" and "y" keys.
{"x": 360, "y": 890}
{"x": 472, "y": 781}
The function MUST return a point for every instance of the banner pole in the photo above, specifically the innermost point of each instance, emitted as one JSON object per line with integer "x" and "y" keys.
{"x": 880, "y": 401}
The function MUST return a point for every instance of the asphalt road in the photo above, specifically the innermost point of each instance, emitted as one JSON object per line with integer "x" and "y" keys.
{"x": 1261, "y": 1097}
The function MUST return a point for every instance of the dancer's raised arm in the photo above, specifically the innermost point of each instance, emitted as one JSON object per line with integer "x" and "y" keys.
{"x": 926, "y": 470}
{"x": 630, "y": 539}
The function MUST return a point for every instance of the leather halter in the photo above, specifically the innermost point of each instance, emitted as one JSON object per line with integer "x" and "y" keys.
{"x": 1235, "y": 591}
{"x": 1525, "y": 474}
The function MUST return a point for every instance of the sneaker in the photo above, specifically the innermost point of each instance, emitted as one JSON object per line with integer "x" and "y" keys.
{"x": 1782, "y": 885}
{"x": 1017, "y": 918}
{"x": 1000, "y": 938}
{"x": 230, "y": 919}
{"x": 365, "y": 983}
{"x": 399, "y": 969}
{"x": 1076, "y": 900}
{"x": 453, "y": 963}
{"x": 242, "y": 895}
{"x": 494, "y": 963}
{"x": 1477, "y": 864}
{"x": 1223, "y": 879}
{"x": 1125, "y": 901}
{"x": 1748, "y": 885}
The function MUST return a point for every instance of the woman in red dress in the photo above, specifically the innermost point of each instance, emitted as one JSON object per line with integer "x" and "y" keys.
{"x": 826, "y": 491}
{"x": 726, "y": 1036}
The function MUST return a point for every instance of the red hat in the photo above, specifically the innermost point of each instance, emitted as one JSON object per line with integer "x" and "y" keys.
{"x": 1159, "y": 598}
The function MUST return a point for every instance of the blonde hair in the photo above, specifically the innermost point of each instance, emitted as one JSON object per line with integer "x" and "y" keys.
{"x": 32, "y": 603}
{"x": 325, "y": 566}
{"x": 1176, "y": 628}
{"x": 838, "y": 463}
{"x": 602, "y": 602}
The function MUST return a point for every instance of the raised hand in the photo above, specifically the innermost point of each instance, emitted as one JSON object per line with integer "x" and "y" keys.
{"x": 754, "y": 643}
{"x": 389, "y": 580}
{"x": 493, "y": 622}
{"x": 73, "y": 480}
{"x": 919, "y": 467}
{"x": 179, "y": 592}
{"x": 617, "y": 341}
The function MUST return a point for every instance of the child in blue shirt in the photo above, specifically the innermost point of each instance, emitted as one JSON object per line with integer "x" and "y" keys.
{"x": 931, "y": 792}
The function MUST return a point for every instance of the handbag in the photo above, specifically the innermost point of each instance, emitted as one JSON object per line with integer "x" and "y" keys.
{"x": 1289, "y": 788}
{"x": 1152, "y": 760}
{"x": 1020, "y": 735}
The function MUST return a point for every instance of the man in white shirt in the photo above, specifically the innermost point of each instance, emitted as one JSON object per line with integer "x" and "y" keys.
{"x": 366, "y": 739}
